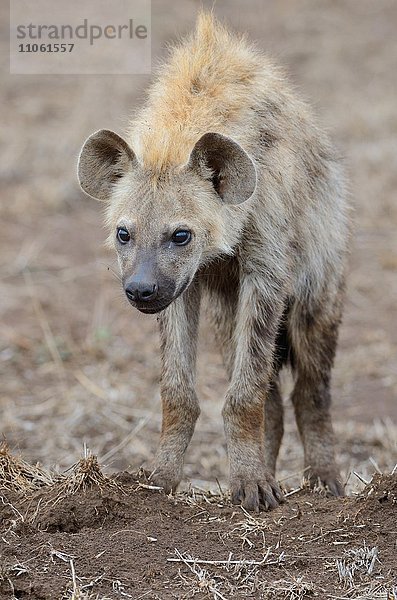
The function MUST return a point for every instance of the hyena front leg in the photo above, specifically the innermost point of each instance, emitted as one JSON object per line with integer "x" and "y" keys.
{"x": 223, "y": 314}
{"x": 252, "y": 484}
{"x": 314, "y": 338}
{"x": 178, "y": 333}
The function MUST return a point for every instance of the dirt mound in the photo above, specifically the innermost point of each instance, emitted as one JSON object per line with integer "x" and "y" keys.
{"x": 383, "y": 488}
{"x": 96, "y": 537}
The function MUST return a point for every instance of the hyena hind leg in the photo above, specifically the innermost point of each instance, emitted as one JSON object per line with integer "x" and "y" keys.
{"x": 222, "y": 316}
{"x": 274, "y": 424}
{"x": 314, "y": 339}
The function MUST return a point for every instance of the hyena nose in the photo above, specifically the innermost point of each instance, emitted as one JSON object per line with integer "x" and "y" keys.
{"x": 141, "y": 291}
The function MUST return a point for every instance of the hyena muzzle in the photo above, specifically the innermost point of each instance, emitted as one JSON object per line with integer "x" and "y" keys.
{"x": 227, "y": 188}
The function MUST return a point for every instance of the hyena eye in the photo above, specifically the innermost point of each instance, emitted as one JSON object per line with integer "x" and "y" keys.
{"x": 122, "y": 235}
{"x": 181, "y": 237}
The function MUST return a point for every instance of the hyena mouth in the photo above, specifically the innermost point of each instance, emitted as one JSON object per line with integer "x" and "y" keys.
{"x": 159, "y": 307}
{"x": 152, "y": 310}
{"x": 184, "y": 286}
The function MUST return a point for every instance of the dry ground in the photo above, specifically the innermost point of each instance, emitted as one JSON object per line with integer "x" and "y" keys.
{"x": 83, "y": 535}
{"x": 78, "y": 365}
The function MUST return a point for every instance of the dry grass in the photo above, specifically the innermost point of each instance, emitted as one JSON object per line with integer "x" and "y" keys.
{"x": 79, "y": 592}
{"x": 358, "y": 571}
{"x": 357, "y": 564}
{"x": 85, "y": 474}
{"x": 19, "y": 476}
{"x": 374, "y": 591}
{"x": 251, "y": 530}
{"x": 293, "y": 589}
{"x": 236, "y": 578}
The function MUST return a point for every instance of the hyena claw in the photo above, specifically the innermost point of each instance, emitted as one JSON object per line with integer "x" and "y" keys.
{"x": 256, "y": 494}
{"x": 329, "y": 479}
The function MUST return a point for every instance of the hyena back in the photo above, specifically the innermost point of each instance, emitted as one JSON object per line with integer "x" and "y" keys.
{"x": 227, "y": 187}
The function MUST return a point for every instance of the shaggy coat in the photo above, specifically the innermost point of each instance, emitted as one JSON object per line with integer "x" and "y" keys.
{"x": 226, "y": 156}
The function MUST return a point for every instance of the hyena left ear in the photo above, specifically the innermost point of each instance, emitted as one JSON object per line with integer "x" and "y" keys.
{"x": 104, "y": 158}
{"x": 232, "y": 172}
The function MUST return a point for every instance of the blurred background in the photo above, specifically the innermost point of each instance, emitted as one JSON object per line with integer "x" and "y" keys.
{"x": 77, "y": 363}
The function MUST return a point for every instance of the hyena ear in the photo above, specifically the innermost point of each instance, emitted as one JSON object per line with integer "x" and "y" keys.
{"x": 104, "y": 158}
{"x": 231, "y": 170}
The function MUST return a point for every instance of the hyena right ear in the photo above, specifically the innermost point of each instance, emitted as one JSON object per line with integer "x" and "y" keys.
{"x": 104, "y": 158}
{"x": 232, "y": 172}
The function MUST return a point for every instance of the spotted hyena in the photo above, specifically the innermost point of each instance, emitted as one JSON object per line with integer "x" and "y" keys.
{"x": 227, "y": 187}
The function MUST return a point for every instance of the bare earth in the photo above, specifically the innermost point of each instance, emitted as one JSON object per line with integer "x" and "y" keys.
{"x": 79, "y": 366}
{"x": 87, "y": 535}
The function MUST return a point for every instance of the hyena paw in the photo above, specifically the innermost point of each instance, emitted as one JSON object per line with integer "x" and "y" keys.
{"x": 166, "y": 477}
{"x": 256, "y": 491}
{"x": 329, "y": 479}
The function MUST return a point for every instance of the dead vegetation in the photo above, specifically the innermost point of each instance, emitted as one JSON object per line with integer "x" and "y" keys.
{"x": 231, "y": 577}
{"x": 293, "y": 589}
{"x": 79, "y": 592}
{"x": 84, "y": 474}
{"x": 357, "y": 564}
{"x": 19, "y": 476}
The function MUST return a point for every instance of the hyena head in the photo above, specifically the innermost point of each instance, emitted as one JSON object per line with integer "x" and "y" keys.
{"x": 165, "y": 226}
